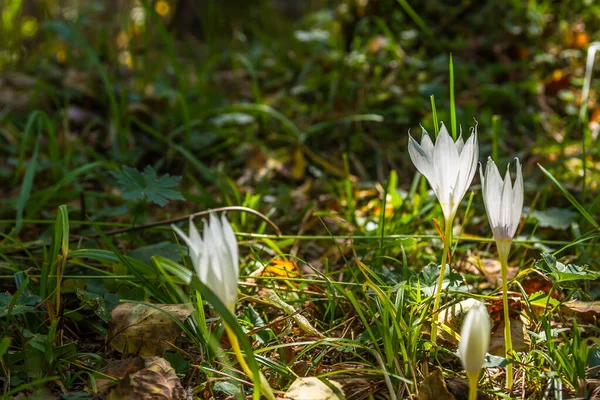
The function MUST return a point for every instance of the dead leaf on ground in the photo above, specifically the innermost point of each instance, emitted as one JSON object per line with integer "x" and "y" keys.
{"x": 141, "y": 378}
{"x": 518, "y": 331}
{"x": 282, "y": 269}
{"x": 585, "y": 311}
{"x": 451, "y": 319}
{"x": 143, "y": 330}
{"x": 491, "y": 270}
{"x": 311, "y": 388}
{"x": 434, "y": 387}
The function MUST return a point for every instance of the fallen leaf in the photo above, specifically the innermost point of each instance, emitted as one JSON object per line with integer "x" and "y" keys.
{"x": 519, "y": 335}
{"x": 491, "y": 269}
{"x": 460, "y": 389}
{"x": 495, "y": 307}
{"x": 434, "y": 388}
{"x": 451, "y": 319}
{"x": 148, "y": 378}
{"x": 311, "y": 388}
{"x": 282, "y": 269}
{"x": 584, "y": 311}
{"x": 143, "y": 330}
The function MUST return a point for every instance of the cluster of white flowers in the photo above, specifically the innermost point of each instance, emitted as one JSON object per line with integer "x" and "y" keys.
{"x": 449, "y": 167}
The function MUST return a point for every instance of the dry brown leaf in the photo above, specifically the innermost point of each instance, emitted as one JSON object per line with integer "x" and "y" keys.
{"x": 311, "y": 388}
{"x": 434, "y": 388}
{"x": 490, "y": 268}
{"x": 142, "y": 378}
{"x": 518, "y": 331}
{"x": 584, "y": 311}
{"x": 451, "y": 319}
{"x": 143, "y": 330}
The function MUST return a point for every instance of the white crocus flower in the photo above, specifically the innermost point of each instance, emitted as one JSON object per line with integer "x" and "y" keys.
{"x": 215, "y": 257}
{"x": 474, "y": 339}
{"x": 503, "y": 204}
{"x": 448, "y": 166}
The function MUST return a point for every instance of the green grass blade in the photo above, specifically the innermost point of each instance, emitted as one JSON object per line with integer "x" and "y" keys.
{"x": 436, "y": 124}
{"x": 571, "y": 199}
{"x": 452, "y": 102}
{"x": 415, "y": 17}
{"x": 233, "y": 323}
{"x": 26, "y": 185}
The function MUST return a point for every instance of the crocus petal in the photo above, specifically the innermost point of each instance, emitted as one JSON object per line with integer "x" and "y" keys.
{"x": 474, "y": 338}
{"x": 202, "y": 266}
{"x": 448, "y": 166}
{"x": 460, "y": 144}
{"x": 467, "y": 166}
{"x": 231, "y": 242}
{"x": 503, "y": 203}
{"x": 506, "y": 207}
{"x": 194, "y": 235}
{"x": 517, "y": 201}
{"x": 446, "y": 169}
{"x": 492, "y": 195}
{"x": 420, "y": 158}
{"x": 194, "y": 247}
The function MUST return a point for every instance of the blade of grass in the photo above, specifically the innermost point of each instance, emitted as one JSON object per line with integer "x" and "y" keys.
{"x": 571, "y": 199}
{"x": 231, "y": 321}
{"x": 415, "y": 17}
{"x": 436, "y": 126}
{"x": 452, "y": 103}
{"x": 26, "y": 185}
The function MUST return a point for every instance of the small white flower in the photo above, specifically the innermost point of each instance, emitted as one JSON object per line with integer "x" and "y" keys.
{"x": 448, "y": 166}
{"x": 474, "y": 339}
{"x": 215, "y": 257}
{"x": 503, "y": 203}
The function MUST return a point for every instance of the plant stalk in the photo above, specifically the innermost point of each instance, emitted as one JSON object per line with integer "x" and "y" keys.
{"x": 265, "y": 388}
{"x": 438, "y": 292}
{"x": 473, "y": 378}
{"x": 507, "y": 333}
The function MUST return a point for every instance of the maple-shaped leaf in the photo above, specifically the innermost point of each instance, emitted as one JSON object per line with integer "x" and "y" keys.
{"x": 136, "y": 185}
{"x": 564, "y": 272}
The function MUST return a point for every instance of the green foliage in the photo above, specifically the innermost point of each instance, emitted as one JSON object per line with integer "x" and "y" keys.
{"x": 563, "y": 273}
{"x": 427, "y": 279}
{"x": 308, "y": 126}
{"x": 147, "y": 185}
{"x": 21, "y": 304}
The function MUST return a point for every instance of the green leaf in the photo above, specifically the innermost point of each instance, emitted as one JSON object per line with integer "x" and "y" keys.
{"x": 556, "y": 218}
{"x": 564, "y": 273}
{"x": 255, "y": 320}
{"x": 492, "y": 361}
{"x": 428, "y": 278}
{"x": 96, "y": 303}
{"x": 21, "y": 305}
{"x": 136, "y": 185}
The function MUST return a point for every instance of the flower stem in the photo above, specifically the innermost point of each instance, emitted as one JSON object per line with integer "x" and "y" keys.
{"x": 265, "y": 388}
{"x": 438, "y": 291}
{"x": 473, "y": 378}
{"x": 507, "y": 332}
